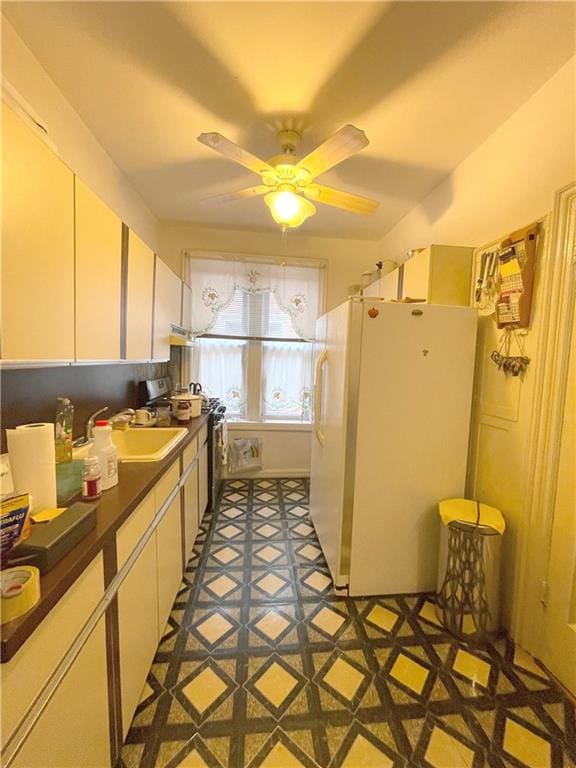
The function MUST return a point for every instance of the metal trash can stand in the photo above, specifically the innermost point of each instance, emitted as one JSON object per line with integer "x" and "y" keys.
{"x": 469, "y": 558}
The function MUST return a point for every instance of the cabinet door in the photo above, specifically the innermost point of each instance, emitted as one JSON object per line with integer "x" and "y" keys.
{"x": 191, "y": 516}
{"x": 389, "y": 285}
{"x": 169, "y": 554}
{"x": 72, "y": 732}
{"x": 137, "y": 608}
{"x": 98, "y": 277}
{"x": 28, "y": 671}
{"x": 415, "y": 284}
{"x": 37, "y": 298}
{"x": 139, "y": 299}
{"x": 167, "y": 308}
{"x": 203, "y": 480}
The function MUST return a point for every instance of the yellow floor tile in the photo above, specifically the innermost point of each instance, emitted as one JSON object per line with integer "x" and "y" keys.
{"x": 230, "y": 531}
{"x": 280, "y": 757}
{"x": 193, "y": 760}
{"x": 310, "y": 552}
{"x": 269, "y": 554}
{"x": 222, "y": 586}
{"x": 472, "y": 667}
{"x": 362, "y": 754}
{"x": 428, "y": 612}
{"x": 303, "y": 529}
{"x": 526, "y": 746}
{"x": 344, "y": 678}
{"x": 272, "y": 625}
{"x": 204, "y": 689}
{"x": 328, "y": 620}
{"x": 276, "y": 684}
{"x": 317, "y": 581}
{"x": 270, "y": 583}
{"x": 266, "y": 530}
{"x": 527, "y": 662}
{"x": 383, "y": 618}
{"x": 409, "y": 673}
{"x": 444, "y": 751}
{"x": 226, "y": 555}
{"x": 214, "y": 627}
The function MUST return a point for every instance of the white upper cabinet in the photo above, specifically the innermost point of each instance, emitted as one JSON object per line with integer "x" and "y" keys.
{"x": 37, "y": 294}
{"x": 139, "y": 299}
{"x": 439, "y": 274}
{"x": 167, "y": 308}
{"x": 98, "y": 277}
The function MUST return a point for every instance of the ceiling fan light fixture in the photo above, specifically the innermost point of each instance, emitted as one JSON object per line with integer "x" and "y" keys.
{"x": 288, "y": 209}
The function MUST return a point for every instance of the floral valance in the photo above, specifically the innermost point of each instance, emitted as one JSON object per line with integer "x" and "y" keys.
{"x": 240, "y": 298}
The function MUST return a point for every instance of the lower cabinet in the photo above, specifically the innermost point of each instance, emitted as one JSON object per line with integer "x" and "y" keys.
{"x": 169, "y": 554}
{"x": 73, "y": 730}
{"x": 191, "y": 516}
{"x": 202, "y": 481}
{"x": 137, "y": 609}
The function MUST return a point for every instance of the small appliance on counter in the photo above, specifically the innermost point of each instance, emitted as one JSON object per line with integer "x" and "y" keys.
{"x": 156, "y": 395}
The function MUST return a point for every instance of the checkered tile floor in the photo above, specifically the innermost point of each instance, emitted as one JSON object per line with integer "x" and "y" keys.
{"x": 261, "y": 666}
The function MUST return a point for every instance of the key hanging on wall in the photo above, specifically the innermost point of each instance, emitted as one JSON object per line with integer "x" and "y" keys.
{"x": 515, "y": 365}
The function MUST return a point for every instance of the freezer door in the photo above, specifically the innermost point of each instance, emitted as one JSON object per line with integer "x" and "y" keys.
{"x": 414, "y": 407}
{"x": 329, "y": 436}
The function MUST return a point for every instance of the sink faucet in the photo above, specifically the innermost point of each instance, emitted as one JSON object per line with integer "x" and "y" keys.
{"x": 90, "y": 423}
{"x": 124, "y": 412}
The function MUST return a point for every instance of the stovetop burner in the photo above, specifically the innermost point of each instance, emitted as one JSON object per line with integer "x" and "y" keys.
{"x": 211, "y": 405}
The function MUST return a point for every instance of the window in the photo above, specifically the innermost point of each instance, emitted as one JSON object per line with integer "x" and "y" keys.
{"x": 255, "y": 324}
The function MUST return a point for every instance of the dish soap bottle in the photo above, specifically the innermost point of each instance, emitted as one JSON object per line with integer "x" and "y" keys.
{"x": 107, "y": 454}
{"x": 63, "y": 430}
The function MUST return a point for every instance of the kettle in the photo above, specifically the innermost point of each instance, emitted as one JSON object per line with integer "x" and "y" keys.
{"x": 195, "y": 388}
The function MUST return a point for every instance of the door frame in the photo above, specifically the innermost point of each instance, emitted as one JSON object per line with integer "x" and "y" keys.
{"x": 556, "y": 304}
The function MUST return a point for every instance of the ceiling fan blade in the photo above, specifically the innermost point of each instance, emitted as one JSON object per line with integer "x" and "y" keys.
{"x": 339, "y": 199}
{"x": 345, "y": 142}
{"x": 239, "y": 194}
{"x": 225, "y": 147}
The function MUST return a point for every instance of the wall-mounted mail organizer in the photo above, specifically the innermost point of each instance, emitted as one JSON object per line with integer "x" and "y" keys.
{"x": 505, "y": 278}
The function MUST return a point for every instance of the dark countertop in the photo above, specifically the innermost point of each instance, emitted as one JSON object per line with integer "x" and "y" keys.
{"x": 135, "y": 480}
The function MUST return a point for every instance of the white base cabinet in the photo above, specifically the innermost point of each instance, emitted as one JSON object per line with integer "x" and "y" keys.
{"x": 73, "y": 730}
{"x": 137, "y": 608}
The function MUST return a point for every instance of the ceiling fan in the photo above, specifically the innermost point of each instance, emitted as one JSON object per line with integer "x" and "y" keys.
{"x": 288, "y": 182}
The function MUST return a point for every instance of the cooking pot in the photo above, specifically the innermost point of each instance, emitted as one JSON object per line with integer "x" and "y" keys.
{"x": 186, "y": 406}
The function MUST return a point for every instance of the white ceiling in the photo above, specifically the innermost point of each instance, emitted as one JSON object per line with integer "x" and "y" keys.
{"x": 427, "y": 81}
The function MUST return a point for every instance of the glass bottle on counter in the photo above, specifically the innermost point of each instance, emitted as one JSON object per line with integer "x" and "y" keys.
{"x": 63, "y": 430}
{"x": 91, "y": 479}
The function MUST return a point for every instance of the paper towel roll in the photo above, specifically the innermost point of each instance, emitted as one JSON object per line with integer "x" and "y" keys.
{"x": 33, "y": 463}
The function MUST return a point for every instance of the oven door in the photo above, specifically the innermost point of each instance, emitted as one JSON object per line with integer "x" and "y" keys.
{"x": 217, "y": 458}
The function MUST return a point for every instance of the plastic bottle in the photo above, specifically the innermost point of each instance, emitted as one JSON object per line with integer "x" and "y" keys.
{"x": 107, "y": 454}
{"x": 63, "y": 430}
{"x": 91, "y": 479}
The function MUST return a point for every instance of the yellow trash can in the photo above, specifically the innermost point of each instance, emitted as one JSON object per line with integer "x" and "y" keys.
{"x": 469, "y": 558}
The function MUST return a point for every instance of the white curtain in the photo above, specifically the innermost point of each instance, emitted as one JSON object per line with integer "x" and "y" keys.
{"x": 218, "y": 285}
{"x": 221, "y": 370}
{"x": 287, "y": 380}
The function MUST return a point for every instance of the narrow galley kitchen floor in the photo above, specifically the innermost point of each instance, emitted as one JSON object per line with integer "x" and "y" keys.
{"x": 261, "y": 666}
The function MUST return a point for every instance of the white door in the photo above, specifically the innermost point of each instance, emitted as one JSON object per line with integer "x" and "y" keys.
{"x": 329, "y": 436}
{"x": 559, "y": 646}
{"x": 414, "y": 404}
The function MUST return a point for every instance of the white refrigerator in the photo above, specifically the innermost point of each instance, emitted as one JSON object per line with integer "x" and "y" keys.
{"x": 392, "y": 401}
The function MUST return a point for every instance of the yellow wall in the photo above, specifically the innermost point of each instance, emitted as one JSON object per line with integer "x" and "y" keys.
{"x": 508, "y": 182}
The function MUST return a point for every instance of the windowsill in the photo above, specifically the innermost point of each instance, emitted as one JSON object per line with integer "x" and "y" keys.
{"x": 270, "y": 426}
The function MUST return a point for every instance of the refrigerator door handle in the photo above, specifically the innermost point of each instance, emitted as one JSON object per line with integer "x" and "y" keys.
{"x": 319, "y": 396}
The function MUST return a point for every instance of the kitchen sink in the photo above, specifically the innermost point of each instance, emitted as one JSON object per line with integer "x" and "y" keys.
{"x": 141, "y": 444}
